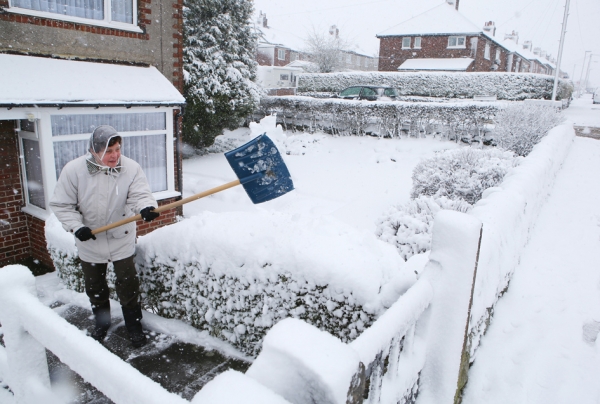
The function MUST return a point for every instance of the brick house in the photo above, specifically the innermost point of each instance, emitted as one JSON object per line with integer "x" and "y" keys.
{"x": 442, "y": 39}
{"x": 65, "y": 69}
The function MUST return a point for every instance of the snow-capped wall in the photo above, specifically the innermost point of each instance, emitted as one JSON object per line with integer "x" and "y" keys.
{"x": 459, "y": 119}
{"x": 505, "y": 86}
{"x": 508, "y": 213}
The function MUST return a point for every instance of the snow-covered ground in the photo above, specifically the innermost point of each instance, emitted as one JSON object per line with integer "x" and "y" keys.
{"x": 542, "y": 344}
{"x": 353, "y": 179}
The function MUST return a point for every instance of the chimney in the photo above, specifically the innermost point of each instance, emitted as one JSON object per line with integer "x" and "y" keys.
{"x": 262, "y": 19}
{"x": 537, "y": 50}
{"x": 490, "y": 28}
{"x": 527, "y": 45}
{"x": 514, "y": 36}
{"x": 333, "y": 30}
{"x": 543, "y": 54}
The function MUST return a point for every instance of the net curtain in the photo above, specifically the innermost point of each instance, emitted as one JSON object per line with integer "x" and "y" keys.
{"x": 121, "y": 10}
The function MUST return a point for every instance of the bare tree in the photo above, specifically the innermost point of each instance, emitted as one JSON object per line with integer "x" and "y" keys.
{"x": 326, "y": 49}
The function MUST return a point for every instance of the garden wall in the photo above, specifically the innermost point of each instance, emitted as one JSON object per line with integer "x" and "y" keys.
{"x": 509, "y": 213}
{"x": 505, "y": 86}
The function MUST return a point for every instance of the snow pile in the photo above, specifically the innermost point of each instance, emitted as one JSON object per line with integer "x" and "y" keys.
{"x": 236, "y": 274}
{"x": 305, "y": 365}
{"x": 505, "y": 86}
{"x": 452, "y": 120}
{"x": 454, "y": 180}
{"x": 508, "y": 213}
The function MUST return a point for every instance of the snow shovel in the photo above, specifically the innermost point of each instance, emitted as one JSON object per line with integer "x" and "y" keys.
{"x": 259, "y": 168}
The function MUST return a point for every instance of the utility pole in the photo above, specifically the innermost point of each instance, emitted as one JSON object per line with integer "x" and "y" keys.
{"x": 581, "y": 75}
{"x": 560, "y": 49}
{"x": 587, "y": 75}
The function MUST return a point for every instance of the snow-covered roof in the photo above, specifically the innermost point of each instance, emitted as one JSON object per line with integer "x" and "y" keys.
{"x": 274, "y": 36}
{"x": 458, "y": 64}
{"x": 28, "y": 80}
{"x": 440, "y": 20}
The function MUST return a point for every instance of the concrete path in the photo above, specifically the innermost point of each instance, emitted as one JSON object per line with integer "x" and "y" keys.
{"x": 181, "y": 368}
{"x": 543, "y": 344}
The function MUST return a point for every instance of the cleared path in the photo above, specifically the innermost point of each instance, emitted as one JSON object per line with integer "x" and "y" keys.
{"x": 543, "y": 345}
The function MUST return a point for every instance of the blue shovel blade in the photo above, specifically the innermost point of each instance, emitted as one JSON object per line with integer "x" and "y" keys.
{"x": 260, "y": 169}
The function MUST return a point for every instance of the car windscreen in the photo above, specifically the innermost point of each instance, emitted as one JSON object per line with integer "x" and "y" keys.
{"x": 350, "y": 92}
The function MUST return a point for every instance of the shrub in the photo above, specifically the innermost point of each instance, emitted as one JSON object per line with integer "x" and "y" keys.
{"x": 461, "y": 174}
{"x": 408, "y": 227}
{"x": 520, "y": 127}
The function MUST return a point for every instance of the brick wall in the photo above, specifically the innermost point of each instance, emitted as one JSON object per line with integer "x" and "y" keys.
{"x": 391, "y": 54}
{"x": 279, "y": 62}
{"x": 167, "y": 217}
{"x": 14, "y": 238}
{"x": 178, "y": 45}
{"x": 37, "y": 239}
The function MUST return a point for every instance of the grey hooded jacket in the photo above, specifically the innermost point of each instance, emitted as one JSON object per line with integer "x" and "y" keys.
{"x": 93, "y": 196}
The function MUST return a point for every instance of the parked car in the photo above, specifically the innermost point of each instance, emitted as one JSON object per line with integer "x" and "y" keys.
{"x": 597, "y": 97}
{"x": 369, "y": 93}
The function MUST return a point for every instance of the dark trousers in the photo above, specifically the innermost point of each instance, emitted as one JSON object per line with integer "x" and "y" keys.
{"x": 127, "y": 285}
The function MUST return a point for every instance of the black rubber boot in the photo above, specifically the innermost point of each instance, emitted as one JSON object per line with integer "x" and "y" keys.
{"x": 102, "y": 316}
{"x": 133, "y": 324}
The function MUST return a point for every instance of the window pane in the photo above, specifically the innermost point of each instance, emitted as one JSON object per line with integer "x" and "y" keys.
{"x": 406, "y": 42}
{"x": 461, "y": 41}
{"x": 33, "y": 173}
{"x": 151, "y": 153}
{"x": 92, "y": 9}
{"x": 67, "y": 151}
{"x": 122, "y": 10}
{"x": 452, "y": 41}
{"x": 82, "y": 124}
{"x": 350, "y": 91}
{"x": 418, "y": 42}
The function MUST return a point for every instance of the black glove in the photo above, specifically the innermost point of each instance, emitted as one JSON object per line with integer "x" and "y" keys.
{"x": 84, "y": 234}
{"x": 148, "y": 215}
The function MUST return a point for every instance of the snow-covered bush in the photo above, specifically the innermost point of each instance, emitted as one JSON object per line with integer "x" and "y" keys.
{"x": 461, "y": 174}
{"x": 520, "y": 127}
{"x": 459, "y": 120}
{"x": 408, "y": 226}
{"x": 505, "y": 86}
{"x": 219, "y": 61}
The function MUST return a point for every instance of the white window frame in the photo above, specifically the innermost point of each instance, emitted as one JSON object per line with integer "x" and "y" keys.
{"x": 404, "y": 42}
{"x": 29, "y": 207}
{"x": 498, "y": 56}
{"x": 417, "y": 44}
{"x": 106, "y": 22}
{"x": 46, "y": 143}
{"x": 457, "y": 39}
{"x": 281, "y": 54}
{"x": 487, "y": 52}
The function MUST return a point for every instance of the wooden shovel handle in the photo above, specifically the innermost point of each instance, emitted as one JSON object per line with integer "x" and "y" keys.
{"x": 169, "y": 206}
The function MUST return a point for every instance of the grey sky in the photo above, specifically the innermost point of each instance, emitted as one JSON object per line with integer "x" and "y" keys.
{"x": 536, "y": 20}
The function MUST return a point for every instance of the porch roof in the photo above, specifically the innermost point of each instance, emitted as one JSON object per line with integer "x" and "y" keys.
{"x": 433, "y": 64}
{"x": 41, "y": 81}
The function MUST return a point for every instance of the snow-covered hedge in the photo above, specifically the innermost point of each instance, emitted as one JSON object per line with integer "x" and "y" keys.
{"x": 505, "y": 86}
{"x": 457, "y": 120}
{"x": 453, "y": 180}
{"x": 237, "y": 274}
{"x": 508, "y": 213}
{"x": 461, "y": 174}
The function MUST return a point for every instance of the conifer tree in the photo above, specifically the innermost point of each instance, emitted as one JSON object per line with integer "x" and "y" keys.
{"x": 219, "y": 67}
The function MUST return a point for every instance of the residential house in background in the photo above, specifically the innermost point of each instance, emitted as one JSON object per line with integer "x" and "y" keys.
{"x": 442, "y": 39}
{"x": 66, "y": 68}
{"x": 280, "y": 58}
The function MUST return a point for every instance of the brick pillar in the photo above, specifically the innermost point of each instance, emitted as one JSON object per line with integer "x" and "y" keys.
{"x": 14, "y": 236}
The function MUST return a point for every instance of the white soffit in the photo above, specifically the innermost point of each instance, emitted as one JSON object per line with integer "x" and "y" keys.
{"x": 29, "y": 80}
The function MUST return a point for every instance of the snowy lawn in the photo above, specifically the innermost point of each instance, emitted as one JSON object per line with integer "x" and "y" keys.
{"x": 352, "y": 179}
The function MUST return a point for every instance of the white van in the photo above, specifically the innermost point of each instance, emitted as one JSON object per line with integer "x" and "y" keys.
{"x": 597, "y": 97}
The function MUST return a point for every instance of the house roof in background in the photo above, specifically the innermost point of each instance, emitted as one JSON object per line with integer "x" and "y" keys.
{"x": 29, "y": 80}
{"x": 443, "y": 19}
{"x": 449, "y": 64}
